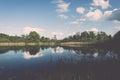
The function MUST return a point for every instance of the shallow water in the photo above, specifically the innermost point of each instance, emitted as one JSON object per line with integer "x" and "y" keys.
{"x": 59, "y": 63}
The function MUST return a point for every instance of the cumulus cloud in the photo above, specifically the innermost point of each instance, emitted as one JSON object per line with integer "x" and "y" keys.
{"x": 63, "y": 7}
{"x": 115, "y": 21}
{"x": 111, "y": 15}
{"x": 27, "y": 30}
{"x": 94, "y": 15}
{"x": 62, "y": 16}
{"x": 107, "y": 14}
{"x": 93, "y": 29}
{"x": 115, "y": 15}
{"x": 80, "y": 10}
{"x": 104, "y": 4}
{"x": 78, "y": 21}
{"x": 27, "y": 55}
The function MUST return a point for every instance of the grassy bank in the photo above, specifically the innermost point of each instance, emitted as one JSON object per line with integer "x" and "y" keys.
{"x": 44, "y": 43}
{"x": 25, "y": 44}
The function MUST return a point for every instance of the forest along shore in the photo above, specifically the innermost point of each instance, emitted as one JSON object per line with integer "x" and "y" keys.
{"x": 76, "y": 40}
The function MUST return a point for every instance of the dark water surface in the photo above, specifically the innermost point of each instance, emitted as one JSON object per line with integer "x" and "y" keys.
{"x": 59, "y": 63}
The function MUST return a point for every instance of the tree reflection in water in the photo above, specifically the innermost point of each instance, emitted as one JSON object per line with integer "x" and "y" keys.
{"x": 73, "y": 63}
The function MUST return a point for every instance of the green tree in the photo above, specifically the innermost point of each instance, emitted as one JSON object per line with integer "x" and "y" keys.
{"x": 33, "y": 37}
{"x": 44, "y": 39}
{"x": 92, "y": 36}
{"x": 84, "y": 36}
{"x": 4, "y": 37}
{"x": 102, "y": 36}
{"x": 117, "y": 36}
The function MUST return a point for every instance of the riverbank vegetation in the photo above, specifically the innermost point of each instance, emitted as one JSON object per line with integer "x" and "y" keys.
{"x": 86, "y": 37}
{"x": 113, "y": 43}
{"x": 78, "y": 37}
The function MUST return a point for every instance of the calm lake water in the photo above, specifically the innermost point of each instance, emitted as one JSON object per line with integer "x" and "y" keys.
{"x": 59, "y": 63}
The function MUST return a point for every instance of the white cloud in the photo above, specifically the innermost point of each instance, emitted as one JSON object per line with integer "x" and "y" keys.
{"x": 78, "y": 21}
{"x": 115, "y": 15}
{"x": 62, "y": 16}
{"x": 104, "y": 4}
{"x": 107, "y": 13}
{"x": 27, "y": 55}
{"x": 80, "y": 10}
{"x": 58, "y": 34}
{"x": 94, "y": 15}
{"x": 94, "y": 29}
{"x": 111, "y": 15}
{"x": 27, "y": 30}
{"x": 71, "y": 34}
{"x": 117, "y": 28}
{"x": 115, "y": 21}
{"x": 63, "y": 7}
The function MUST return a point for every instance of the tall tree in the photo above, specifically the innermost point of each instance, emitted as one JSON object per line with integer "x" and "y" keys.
{"x": 33, "y": 37}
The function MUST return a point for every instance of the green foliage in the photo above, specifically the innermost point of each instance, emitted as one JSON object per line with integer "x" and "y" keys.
{"x": 117, "y": 36}
{"x": 44, "y": 39}
{"x": 82, "y": 37}
{"x": 102, "y": 36}
{"x": 16, "y": 39}
{"x": 33, "y": 37}
{"x": 88, "y": 37}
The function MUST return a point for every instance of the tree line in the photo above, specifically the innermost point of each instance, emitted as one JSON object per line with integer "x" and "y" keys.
{"x": 86, "y": 36}
{"x": 31, "y": 37}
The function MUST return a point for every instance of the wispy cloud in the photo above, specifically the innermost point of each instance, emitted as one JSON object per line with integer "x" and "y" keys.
{"x": 63, "y": 7}
{"x": 58, "y": 1}
{"x": 62, "y": 16}
{"x": 78, "y": 21}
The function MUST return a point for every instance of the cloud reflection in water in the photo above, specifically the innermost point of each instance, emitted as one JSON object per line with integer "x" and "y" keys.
{"x": 27, "y": 55}
{"x": 57, "y": 50}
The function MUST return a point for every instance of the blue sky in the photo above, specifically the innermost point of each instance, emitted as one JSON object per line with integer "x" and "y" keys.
{"x": 59, "y": 17}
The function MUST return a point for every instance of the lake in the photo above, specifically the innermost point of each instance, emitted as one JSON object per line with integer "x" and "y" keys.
{"x": 59, "y": 63}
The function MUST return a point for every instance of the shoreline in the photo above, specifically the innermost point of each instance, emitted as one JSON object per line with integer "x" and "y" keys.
{"x": 44, "y": 43}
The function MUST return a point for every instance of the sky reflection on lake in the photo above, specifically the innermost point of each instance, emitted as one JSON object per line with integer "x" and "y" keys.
{"x": 58, "y": 63}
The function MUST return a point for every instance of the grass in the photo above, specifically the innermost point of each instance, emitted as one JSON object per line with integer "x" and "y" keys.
{"x": 43, "y": 43}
